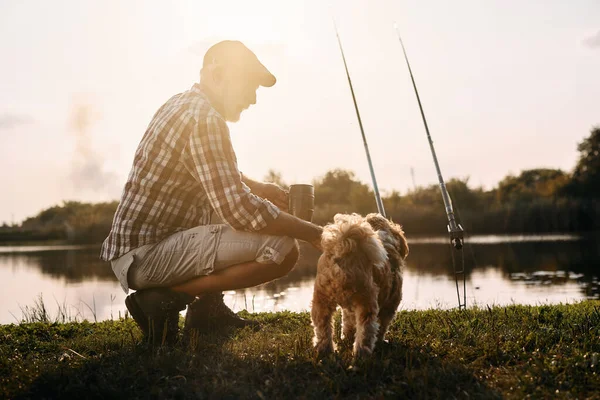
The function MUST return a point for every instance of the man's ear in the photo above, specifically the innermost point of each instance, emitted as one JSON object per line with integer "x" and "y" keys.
{"x": 218, "y": 74}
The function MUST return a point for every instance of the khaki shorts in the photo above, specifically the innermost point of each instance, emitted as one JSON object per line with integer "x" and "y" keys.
{"x": 200, "y": 251}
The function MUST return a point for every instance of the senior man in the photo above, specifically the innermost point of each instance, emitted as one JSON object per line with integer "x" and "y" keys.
{"x": 189, "y": 224}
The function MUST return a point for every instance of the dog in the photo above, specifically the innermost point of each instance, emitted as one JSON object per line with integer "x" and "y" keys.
{"x": 360, "y": 270}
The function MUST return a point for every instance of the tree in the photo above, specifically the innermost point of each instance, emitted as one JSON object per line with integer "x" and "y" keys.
{"x": 340, "y": 187}
{"x": 338, "y": 191}
{"x": 74, "y": 221}
{"x": 586, "y": 177}
{"x": 532, "y": 184}
{"x": 393, "y": 202}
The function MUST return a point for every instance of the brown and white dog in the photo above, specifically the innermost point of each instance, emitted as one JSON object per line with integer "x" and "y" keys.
{"x": 360, "y": 270}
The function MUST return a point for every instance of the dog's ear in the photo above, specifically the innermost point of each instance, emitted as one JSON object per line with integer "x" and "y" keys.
{"x": 377, "y": 221}
{"x": 403, "y": 246}
{"x": 403, "y": 243}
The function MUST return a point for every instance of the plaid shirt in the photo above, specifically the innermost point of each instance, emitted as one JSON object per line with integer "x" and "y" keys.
{"x": 184, "y": 169}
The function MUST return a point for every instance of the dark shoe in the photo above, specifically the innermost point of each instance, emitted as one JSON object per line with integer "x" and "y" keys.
{"x": 156, "y": 311}
{"x": 209, "y": 313}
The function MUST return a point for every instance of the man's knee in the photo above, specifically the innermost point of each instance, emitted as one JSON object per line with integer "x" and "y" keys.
{"x": 290, "y": 259}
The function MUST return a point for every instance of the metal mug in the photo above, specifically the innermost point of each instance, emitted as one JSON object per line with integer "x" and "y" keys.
{"x": 302, "y": 201}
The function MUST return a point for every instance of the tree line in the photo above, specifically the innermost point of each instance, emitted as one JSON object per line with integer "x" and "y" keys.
{"x": 539, "y": 200}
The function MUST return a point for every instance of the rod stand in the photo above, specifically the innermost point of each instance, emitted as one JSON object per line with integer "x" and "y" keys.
{"x": 456, "y": 233}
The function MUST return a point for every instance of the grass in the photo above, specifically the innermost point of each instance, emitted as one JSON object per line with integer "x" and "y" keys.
{"x": 38, "y": 312}
{"x": 498, "y": 352}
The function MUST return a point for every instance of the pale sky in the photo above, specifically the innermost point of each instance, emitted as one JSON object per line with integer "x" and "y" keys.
{"x": 506, "y": 85}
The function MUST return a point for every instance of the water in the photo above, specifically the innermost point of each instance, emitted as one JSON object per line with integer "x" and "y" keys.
{"x": 500, "y": 270}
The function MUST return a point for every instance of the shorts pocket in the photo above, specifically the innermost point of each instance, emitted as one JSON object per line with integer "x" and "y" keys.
{"x": 208, "y": 252}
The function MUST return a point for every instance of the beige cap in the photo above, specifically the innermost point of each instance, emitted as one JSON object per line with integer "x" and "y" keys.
{"x": 233, "y": 52}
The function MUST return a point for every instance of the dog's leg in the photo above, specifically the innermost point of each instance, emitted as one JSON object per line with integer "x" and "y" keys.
{"x": 348, "y": 325}
{"x": 386, "y": 315}
{"x": 388, "y": 310}
{"x": 366, "y": 328}
{"x": 321, "y": 314}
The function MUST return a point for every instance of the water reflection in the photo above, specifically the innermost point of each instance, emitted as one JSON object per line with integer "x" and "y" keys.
{"x": 500, "y": 270}
{"x": 74, "y": 265}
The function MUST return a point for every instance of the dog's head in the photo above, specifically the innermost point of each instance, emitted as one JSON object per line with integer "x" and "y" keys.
{"x": 379, "y": 223}
{"x": 350, "y": 233}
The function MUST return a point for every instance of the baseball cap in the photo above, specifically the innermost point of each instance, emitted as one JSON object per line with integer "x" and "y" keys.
{"x": 235, "y": 53}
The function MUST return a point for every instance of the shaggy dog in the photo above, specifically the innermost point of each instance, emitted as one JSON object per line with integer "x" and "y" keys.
{"x": 360, "y": 270}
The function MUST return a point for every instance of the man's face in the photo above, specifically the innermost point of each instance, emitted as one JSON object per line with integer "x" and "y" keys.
{"x": 238, "y": 93}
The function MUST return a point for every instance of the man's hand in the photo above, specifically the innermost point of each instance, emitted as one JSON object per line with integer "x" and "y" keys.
{"x": 269, "y": 191}
{"x": 317, "y": 244}
{"x": 275, "y": 194}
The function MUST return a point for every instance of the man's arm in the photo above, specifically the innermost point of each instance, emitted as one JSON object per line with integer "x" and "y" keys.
{"x": 288, "y": 225}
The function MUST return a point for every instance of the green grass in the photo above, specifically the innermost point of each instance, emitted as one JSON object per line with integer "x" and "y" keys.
{"x": 500, "y": 352}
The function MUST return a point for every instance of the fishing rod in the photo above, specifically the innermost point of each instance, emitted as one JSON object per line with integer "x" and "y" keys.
{"x": 455, "y": 231}
{"x": 362, "y": 131}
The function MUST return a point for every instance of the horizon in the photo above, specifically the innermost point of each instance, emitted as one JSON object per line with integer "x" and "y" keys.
{"x": 505, "y": 87}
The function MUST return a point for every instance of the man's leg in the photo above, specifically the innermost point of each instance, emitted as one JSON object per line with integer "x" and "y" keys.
{"x": 239, "y": 276}
{"x": 209, "y": 312}
{"x": 204, "y": 261}
{"x": 156, "y": 311}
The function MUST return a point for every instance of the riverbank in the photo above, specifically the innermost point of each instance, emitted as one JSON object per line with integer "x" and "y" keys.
{"x": 500, "y": 352}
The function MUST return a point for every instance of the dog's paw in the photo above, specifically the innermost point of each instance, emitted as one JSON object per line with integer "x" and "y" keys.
{"x": 324, "y": 349}
{"x": 362, "y": 360}
{"x": 346, "y": 342}
{"x": 361, "y": 353}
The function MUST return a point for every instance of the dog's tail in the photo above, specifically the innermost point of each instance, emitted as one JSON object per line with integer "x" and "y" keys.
{"x": 351, "y": 233}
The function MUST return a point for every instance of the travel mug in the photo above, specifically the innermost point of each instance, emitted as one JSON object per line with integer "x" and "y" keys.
{"x": 302, "y": 201}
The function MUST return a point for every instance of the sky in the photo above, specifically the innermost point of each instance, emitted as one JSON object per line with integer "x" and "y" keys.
{"x": 506, "y": 85}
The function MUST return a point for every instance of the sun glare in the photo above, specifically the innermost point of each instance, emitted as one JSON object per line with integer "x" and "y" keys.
{"x": 241, "y": 20}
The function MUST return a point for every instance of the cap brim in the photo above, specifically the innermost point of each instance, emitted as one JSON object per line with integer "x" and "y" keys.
{"x": 267, "y": 79}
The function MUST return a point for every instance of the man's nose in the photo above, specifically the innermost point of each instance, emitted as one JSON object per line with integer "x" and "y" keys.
{"x": 253, "y": 98}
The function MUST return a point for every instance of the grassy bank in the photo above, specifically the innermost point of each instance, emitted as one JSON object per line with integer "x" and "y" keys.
{"x": 501, "y": 352}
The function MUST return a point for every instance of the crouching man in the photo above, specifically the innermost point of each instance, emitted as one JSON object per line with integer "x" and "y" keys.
{"x": 189, "y": 224}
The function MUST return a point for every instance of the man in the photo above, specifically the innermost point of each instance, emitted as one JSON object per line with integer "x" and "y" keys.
{"x": 189, "y": 224}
